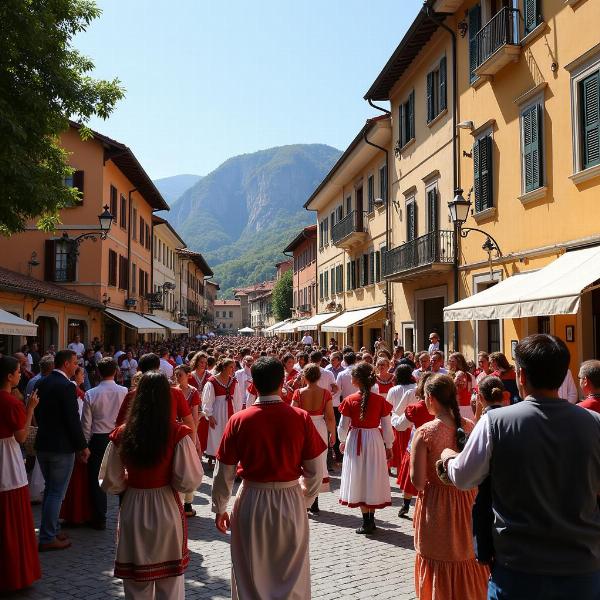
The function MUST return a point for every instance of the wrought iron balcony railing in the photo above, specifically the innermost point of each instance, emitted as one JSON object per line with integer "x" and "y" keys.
{"x": 501, "y": 30}
{"x": 353, "y": 222}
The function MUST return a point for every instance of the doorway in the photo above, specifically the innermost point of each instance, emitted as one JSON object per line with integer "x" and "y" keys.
{"x": 433, "y": 321}
{"x": 77, "y": 327}
{"x": 47, "y": 333}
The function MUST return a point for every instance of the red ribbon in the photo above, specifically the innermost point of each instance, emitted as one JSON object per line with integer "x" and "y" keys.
{"x": 359, "y": 443}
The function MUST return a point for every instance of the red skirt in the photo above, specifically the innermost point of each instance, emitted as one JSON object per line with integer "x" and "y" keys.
{"x": 76, "y": 508}
{"x": 403, "y": 479}
{"x": 203, "y": 435}
{"x": 19, "y": 560}
{"x": 401, "y": 439}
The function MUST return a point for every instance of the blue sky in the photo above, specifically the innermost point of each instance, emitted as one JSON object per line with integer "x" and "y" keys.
{"x": 207, "y": 79}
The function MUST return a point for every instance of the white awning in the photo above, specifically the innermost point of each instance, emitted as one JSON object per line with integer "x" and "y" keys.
{"x": 246, "y": 330}
{"x": 172, "y": 326}
{"x": 135, "y": 321}
{"x": 12, "y": 325}
{"x": 271, "y": 328}
{"x": 290, "y": 326}
{"x": 312, "y": 323}
{"x": 351, "y": 317}
{"x": 554, "y": 290}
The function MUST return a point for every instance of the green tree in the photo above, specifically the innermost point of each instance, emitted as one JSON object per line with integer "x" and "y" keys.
{"x": 44, "y": 81}
{"x": 282, "y": 297}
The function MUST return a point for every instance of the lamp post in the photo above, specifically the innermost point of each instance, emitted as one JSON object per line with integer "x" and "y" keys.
{"x": 105, "y": 219}
{"x": 459, "y": 208}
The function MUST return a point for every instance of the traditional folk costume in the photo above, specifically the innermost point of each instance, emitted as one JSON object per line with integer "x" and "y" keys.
{"x": 221, "y": 402}
{"x": 198, "y": 382}
{"x": 445, "y": 565}
{"x": 383, "y": 386}
{"x": 415, "y": 415}
{"x": 365, "y": 480}
{"x": 318, "y": 419}
{"x": 278, "y": 449}
{"x": 19, "y": 561}
{"x": 152, "y": 551}
{"x": 400, "y": 396}
{"x": 76, "y": 508}
{"x": 192, "y": 397}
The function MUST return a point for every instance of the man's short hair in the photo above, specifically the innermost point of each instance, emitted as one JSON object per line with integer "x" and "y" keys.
{"x": 591, "y": 370}
{"x": 163, "y": 352}
{"x": 267, "y": 375}
{"x": 107, "y": 367}
{"x": 62, "y": 357}
{"x": 337, "y": 355}
{"x": 149, "y": 362}
{"x": 316, "y": 356}
{"x": 349, "y": 358}
{"x": 545, "y": 360}
{"x": 46, "y": 364}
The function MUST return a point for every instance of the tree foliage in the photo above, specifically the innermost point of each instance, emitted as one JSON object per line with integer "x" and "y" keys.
{"x": 281, "y": 300}
{"x": 44, "y": 81}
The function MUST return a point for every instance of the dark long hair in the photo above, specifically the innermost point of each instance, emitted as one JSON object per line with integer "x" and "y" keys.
{"x": 8, "y": 365}
{"x": 442, "y": 388}
{"x": 363, "y": 372}
{"x": 146, "y": 433}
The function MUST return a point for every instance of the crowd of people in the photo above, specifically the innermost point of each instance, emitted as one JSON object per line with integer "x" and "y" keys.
{"x": 503, "y": 460}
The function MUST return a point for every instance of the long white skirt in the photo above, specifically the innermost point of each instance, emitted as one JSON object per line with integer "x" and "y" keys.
{"x": 365, "y": 481}
{"x": 321, "y": 426}
{"x": 215, "y": 434}
{"x": 269, "y": 542}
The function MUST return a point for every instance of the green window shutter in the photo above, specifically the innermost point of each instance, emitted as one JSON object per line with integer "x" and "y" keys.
{"x": 411, "y": 222}
{"x": 474, "y": 27}
{"x": 326, "y": 284}
{"x": 353, "y": 274}
{"x": 443, "y": 85}
{"x": 348, "y": 276}
{"x": 378, "y": 266}
{"x": 401, "y": 129}
{"x": 432, "y": 210}
{"x": 411, "y": 116}
{"x": 531, "y": 16}
{"x": 430, "y": 109}
{"x": 365, "y": 270}
{"x": 532, "y": 147}
{"x": 340, "y": 279}
{"x": 590, "y": 119}
{"x": 372, "y": 267}
{"x": 332, "y": 281}
{"x": 482, "y": 163}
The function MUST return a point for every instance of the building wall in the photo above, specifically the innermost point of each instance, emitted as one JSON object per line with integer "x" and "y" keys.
{"x": 228, "y": 316}
{"x": 305, "y": 277}
{"x": 166, "y": 268}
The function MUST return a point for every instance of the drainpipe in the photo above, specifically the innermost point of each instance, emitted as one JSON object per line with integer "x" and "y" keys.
{"x": 383, "y": 110}
{"x": 387, "y": 226}
{"x": 130, "y": 205}
{"x": 456, "y": 167}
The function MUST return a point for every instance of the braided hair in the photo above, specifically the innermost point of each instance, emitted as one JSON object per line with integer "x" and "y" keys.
{"x": 363, "y": 373}
{"x": 442, "y": 388}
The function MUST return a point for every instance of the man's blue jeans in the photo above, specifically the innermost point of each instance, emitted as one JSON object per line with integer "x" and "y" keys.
{"x": 56, "y": 468}
{"x": 506, "y": 584}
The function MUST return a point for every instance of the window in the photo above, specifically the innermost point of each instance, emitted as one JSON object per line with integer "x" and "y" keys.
{"x": 348, "y": 205}
{"x": 147, "y": 236}
{"x": 75, "y": 180}
{"x": 532, "y": 147}
{"x": 436, "y": 91}
{"x": 339, "y": 213}
{"x": 123, "y": 272}
{"x": 411, "y": 220}
{"x": 332, "y": 224}
{"x": 483, "y": 181}
{"x": 339, "y": 279}
{"x": 406, "y": 120}
{"x": 133, "y": 279}
{"x": 332, "y": 281}
{"x": 365, "y": 270}
{"x": 589, "y": 101}
{"x": 326, "y": 284}
{"x": 474, "y": 27}
{"x": 123, "y": 216}
{"x": 60, "y": 260}
{"x": 112, "y": 268}
{"x": 231, "y": 314}
{"x": 531, "y": 15}
{"x": 433, "y": 210}
{"x": 113, "y": 202}
{"x": 371, "y": 267}
{"x": 134, "y": 224}
{"x": 383, "y": 183}
{"x": 321, "y": 284}
{"x": 142, "y": 230}
{"x": 371, "y": 193}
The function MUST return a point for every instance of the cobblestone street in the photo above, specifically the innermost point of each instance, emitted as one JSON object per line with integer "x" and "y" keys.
{"x": 343, "y": 564}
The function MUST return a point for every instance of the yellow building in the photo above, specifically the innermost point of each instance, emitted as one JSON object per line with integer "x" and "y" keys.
{"x": 417, "y": 83}
{"x": 529, "y": 130}
{"x": 351, "y": 205}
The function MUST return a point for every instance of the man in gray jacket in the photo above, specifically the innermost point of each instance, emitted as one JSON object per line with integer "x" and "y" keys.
{"x": 543, "y": 458}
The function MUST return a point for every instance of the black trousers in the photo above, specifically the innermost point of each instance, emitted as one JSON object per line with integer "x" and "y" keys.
{"x": 97, "y": 446}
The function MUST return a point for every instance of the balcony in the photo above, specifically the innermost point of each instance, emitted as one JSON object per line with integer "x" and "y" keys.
{"x": 303, "y": 308}
{"x": 351, "y": 230}
{"x": 497, "y": 43}
{"x": 430, "y": 253}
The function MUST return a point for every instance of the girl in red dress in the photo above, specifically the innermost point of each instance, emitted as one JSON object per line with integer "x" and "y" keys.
{"x": 76, "y": 508}
{"x": 384, "y": 380}
{"x": 19, "y": 560}
{"x": 197, "y": 378}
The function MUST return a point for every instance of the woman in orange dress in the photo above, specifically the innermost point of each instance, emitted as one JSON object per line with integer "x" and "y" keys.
{"x": 445, "y": 564}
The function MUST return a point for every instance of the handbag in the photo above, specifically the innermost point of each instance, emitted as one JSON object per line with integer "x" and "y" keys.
{"x": 29, "y": 443}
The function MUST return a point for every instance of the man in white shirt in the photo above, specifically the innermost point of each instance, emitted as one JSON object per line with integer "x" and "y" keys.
{"x": 307, "y": 339}
{"x": 344, "y": 379}
{"x": 327, "y": 379}
{"x": 425, "y": 365}
{"x": 434, "y": 342}
{"x": 437, "y": 363}
{"x": 336, "y": 367}
{"x": 77, "y": 346}
{"x": 165, "y": 366}
{"x": 244, "y": 376}
{"x": 100, "y": 409}
{"x": 128, "y": 368}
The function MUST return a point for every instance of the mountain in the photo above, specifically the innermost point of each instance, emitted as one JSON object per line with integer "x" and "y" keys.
{"x": 246, "y": 211}
{"x": 172, "y": 187}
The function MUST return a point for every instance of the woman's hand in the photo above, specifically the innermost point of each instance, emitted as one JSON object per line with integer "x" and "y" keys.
{"x": 33, "y": 400}
{"x": 222, "y": 522}
{"x": 342, "y": 447}
{"x": 212, "y": 422}
{"x": 332, "y": 439}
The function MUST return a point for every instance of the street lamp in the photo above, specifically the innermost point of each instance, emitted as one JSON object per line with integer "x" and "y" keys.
{"x": 105, "y": 219}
